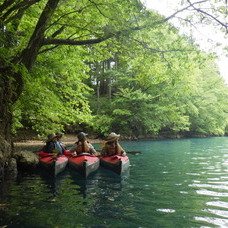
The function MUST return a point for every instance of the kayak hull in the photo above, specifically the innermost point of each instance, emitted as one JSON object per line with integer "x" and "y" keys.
{"x": 84, "y": 164}
{"x": 54, "y": 165}
{"x": 117, "y": 163}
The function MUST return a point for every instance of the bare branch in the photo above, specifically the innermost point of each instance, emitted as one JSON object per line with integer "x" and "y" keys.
{"x": 146, "y": 46}
{"x": 205, "y": 13}
{"x": 179, "y": 11}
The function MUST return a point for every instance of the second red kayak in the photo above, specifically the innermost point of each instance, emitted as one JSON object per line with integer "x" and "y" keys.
{"x": 117, "y": 163}
{"x": 85, "y": 164}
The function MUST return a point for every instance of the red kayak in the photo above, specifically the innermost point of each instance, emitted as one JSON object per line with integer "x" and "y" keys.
{"x": 54, "y": 165}
{"x": 117, "y": 163}
{"x": 84, "y": 163}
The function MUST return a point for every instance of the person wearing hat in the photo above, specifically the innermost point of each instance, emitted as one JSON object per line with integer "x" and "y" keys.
{"x": 111, "y": 146}
{"x": 52, "y": 147}
{"x": 82, "y": 145}
{"x": 59, "y": 136}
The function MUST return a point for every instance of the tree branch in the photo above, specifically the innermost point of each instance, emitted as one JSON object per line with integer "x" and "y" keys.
{"x": 56, "y": 33}
{"x": 76, "y": 42}
{"x": 29, "y": 54}
{"x": 96, "y": 5}
{"x": 209, "y": 15}
{"x": 6, "y": 4}
{"x": 47, "y": 49}
{"x": 48, "y": 41}
{"x": 25, "y": 4}
{"x": 179, "y": 11}
{"x": 146, "y": 46}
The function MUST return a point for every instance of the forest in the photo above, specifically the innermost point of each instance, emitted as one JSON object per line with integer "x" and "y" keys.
{"x": 106, "y": 65}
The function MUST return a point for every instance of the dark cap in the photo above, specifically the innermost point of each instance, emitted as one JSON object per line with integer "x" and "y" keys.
{"x": 81, "y": 135}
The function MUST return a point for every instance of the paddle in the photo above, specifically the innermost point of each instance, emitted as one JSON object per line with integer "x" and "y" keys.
{"x": 128, "y": 152}
{"x": 133, "y": 152}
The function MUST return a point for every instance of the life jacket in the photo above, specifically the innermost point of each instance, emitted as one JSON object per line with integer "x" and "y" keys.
{"x": 112, "y": 148}
{"x": 82, "y": 147}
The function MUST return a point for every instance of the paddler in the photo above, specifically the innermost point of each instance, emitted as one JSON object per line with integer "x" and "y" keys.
{"x": 111, "y": 146}
{"x": 52, "y": 147}
{"x": 82, "y": 145}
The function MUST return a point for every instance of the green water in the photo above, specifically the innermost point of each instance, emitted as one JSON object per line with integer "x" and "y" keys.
{"x": 171, "y": 183}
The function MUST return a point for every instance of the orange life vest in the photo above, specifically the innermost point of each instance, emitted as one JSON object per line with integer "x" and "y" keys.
{"x": 82, "y": 147}
{"x": 112, "y": 148}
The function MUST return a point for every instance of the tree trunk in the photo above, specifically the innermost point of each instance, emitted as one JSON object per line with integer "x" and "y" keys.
{"x": 29, "y": 55}
{"x": 109, "y": 82}
{"x": 10, "y": 90}
{"x": 11, "y": 83}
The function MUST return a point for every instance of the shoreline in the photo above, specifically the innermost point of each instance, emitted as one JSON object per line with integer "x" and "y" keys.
{"x": 68, "y": 140}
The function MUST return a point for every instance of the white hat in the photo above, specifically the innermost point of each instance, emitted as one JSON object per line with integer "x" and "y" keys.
{"x": 112, "y": 137}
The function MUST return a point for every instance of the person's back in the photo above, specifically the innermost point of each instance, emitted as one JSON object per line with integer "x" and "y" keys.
{"x": 52, "y": 147}
{"x": 82, "y": 145}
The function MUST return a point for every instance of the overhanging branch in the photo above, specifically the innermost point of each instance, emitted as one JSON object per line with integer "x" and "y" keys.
{"x": 76, "y": 42}
{"x": 179, "y": 11}
{"x": 209, "y": 15}
{"x": 21, "y": 5}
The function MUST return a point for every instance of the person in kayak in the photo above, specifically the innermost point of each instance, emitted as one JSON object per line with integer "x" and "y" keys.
{"x": 82, "y": 145}
{"x": 59, "y": 137}
{"x": 52, "y": 147}
{"x": 111, "y": 146}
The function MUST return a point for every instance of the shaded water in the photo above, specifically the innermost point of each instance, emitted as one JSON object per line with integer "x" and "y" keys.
{"x": 171, "y": 183}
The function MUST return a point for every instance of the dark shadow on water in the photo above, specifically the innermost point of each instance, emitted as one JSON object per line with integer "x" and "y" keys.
{"x": 96, "y": 182}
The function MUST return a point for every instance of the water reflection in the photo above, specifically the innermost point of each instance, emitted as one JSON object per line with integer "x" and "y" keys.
{"x": 223, "y": 223}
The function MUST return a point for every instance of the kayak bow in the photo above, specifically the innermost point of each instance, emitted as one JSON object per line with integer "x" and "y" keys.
{"x": 117, "y": 163}
{"x": 54, "y": 165}
{"x": 84, "y": 163}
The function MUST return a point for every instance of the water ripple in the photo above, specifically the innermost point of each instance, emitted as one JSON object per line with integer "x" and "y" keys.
{"x": 209, "y": 186}
{"x": 166, "y": 210}
{"x": 218, "y": 182}
{"x": 218, "y": 204}
{"x": 211, "y": 193}
{"x": 223, "y": 223}
{"x": 217, "y": 212}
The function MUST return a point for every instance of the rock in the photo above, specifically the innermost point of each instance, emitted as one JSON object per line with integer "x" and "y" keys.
{"x": 26, "y": 159}
{"x": 5, "y": 154}
{"x": 11, "y": 169}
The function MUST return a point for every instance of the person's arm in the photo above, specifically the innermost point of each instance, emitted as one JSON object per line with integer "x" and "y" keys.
{"x": 68, "y": 153}
{"x": 43, "y": 154}
{"x": 104, "y": 150}
{"x": 62, "y": 145}
{"x": 73, "y": 148}
{"x": 92, "y": 149}
{"x": 122, "y": 151}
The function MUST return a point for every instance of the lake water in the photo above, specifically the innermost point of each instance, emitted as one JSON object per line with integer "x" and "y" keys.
{"x": 171, "y": 183}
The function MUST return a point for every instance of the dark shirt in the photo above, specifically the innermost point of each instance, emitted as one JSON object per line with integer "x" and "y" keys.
{"x": 53, "y": 147}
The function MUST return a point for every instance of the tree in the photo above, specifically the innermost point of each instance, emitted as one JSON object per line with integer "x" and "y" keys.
{"x": 31, "y": 28}
{"x": 160, "y": 90}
